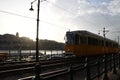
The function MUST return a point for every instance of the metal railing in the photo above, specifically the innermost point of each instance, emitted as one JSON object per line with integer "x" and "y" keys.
{"x": 90, "y": 67}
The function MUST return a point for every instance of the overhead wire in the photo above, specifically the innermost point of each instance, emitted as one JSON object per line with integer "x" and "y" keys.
{"x": 86, "y": 20}
{"x": 60, "y": 7}
{"x": 11, "y": 13}
{"x": 15, "y": 14}
{"x": 46, "y": 21}
{"x": 62, "y": 27}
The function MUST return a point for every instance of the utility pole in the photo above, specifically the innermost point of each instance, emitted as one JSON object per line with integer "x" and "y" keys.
{"x": 118, "y": 41}
{"x": 99, "y": 32}
{"x": 105, "y": 56}
{"x": 105, "y": 32}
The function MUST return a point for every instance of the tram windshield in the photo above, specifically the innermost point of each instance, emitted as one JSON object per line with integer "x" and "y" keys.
{"x": 69, "y": 38}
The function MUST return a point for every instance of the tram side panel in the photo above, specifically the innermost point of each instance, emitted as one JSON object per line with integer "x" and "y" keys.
{"x": 88, "y": 45}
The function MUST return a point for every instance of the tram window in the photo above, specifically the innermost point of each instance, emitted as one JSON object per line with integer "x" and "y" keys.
{"x": 99, "y": 42}
{"x": 102, "y": 43}
{"x": 89, "y": 40}
{"x": 83, "y": 40}
{"x": 76, "y": 39}
{"x": 69, "y": 38}
{"x": 106, "y": 43}
{"x": 95, "y": 42}
{"x": 115, "y": 45}
{"x": 110, "y": 44}
{"x": 92, "y": 41}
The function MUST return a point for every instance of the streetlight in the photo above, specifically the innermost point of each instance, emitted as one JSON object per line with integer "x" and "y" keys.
{"x": 37, "y": 32}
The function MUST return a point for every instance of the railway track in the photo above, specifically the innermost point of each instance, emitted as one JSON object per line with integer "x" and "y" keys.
{"x": 57, "y": 67}
{"x": 14, "y": 69}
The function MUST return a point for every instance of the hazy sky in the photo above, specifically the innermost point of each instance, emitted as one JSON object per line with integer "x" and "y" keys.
{"x": 58, "y": 16}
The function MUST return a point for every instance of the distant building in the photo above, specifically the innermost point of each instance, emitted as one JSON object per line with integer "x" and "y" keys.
{"x": 17, "y": 34}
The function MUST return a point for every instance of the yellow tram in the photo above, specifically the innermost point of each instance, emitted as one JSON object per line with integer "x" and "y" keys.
{"x": 84, "y": 43}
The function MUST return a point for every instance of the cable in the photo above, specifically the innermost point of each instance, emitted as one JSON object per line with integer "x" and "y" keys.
{"x": 55, "y": 25}
{"x": 11, "y": 13}
{"x": 60, "y": 7}
{"x": 16, "y": 14}
{"x": 46, "y": 21}
{"x": 86, "y": 20}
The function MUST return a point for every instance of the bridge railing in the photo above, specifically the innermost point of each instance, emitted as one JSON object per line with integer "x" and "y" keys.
{"x": 89, "y": 68}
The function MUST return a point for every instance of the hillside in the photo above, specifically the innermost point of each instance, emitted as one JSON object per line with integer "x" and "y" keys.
{"x": 12, "y": 42}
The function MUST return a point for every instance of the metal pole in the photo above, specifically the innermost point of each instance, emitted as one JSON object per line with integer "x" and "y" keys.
{"x": 119, "y": 60}
{"x": 37, "y": 72}
{"x": 118, "y": 54}
{"x": 111, "y": 62}
{"x": 98, "y": 67}
{"x": 9, "y": 55}
{"x": 114, "y": 70}
{"x": 87, "y": 69}
{"x": 37, "y": 33}
{"x": 71, "y": 72}
{"x": 105, "y": 57}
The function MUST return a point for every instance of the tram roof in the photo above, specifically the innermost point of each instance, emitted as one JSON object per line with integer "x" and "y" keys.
{"x": 87, "y": 33}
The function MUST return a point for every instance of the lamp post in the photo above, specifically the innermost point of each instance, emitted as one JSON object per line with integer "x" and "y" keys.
{"x": 37, "y": 31}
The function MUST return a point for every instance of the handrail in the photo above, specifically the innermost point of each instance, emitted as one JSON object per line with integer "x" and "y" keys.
{"x": 75, "y": 66}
